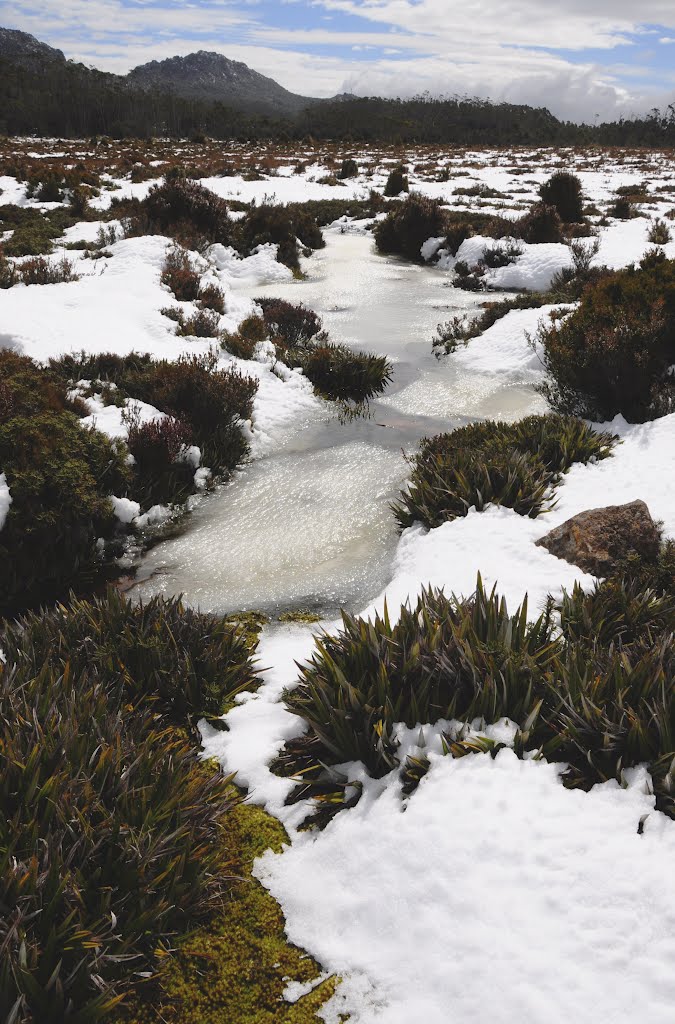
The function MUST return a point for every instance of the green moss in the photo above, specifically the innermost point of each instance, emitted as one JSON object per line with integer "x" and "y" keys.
{"x": 236, "y": 968}
{"x": 251, "y": 624}
{"x": 299, "y": 616}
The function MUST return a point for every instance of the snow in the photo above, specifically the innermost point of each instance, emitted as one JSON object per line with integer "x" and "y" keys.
{"x": 532, "y": 270}
{"x": 125, "y": 509}
{"x": 114, "y": 420}
{"x": 496, "y": 888}
{"x": 5, "y": 499}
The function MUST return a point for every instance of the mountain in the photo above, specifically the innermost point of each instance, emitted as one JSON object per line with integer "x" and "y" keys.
{"x": 20, "y": 47}
{"x": 213, "y": 78}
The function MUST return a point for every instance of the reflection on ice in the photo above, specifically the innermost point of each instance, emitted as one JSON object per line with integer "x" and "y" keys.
{"x": 306, "y": 530}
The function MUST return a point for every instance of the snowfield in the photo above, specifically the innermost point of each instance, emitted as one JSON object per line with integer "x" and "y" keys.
{"x": 492, "y": 891}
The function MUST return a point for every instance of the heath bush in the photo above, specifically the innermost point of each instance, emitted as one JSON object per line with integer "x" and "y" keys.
{"x": 408, "y": 226}
{"x": 613, "y": 354}
{"x": 563, "y": 191}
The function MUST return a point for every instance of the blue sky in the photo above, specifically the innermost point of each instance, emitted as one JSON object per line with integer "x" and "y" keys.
{"x": 581, "y": 58}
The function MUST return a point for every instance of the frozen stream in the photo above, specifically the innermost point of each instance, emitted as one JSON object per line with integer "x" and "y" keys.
{"x": 309, "y": 526}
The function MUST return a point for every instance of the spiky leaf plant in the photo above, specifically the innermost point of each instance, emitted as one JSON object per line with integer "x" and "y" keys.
{"x": 511, "y": 464}
{"x": 443, "y": 659}
{"x": 109, "y": 840}
{"x": 189, "y": 665}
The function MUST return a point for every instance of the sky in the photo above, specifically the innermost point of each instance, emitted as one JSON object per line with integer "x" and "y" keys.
{"x": 583, "y": 59}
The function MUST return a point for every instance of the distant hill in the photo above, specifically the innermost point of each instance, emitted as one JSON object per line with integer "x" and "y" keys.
{"x": 214, "y": 78}
{"x": 26, "y": 49}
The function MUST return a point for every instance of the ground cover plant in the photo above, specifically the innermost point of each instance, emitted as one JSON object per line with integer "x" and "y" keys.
{"x": 111, "y": 840}
{"x": 511, "y": 464}
{"x": 614, "y": 353}
{"x": 597, "y": 693}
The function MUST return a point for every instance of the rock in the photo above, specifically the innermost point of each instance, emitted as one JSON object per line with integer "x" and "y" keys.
{"x": 598, "y": 539}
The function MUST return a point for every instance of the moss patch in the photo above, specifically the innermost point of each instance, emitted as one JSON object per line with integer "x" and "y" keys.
{"x": 237, "y": 967}
{"x": 299, "y": 616}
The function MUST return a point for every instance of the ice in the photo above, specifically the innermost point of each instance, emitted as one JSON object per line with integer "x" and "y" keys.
{"x": 303, "y": 529}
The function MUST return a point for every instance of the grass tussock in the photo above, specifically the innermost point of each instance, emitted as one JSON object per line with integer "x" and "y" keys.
{"x": 511, "y": 464}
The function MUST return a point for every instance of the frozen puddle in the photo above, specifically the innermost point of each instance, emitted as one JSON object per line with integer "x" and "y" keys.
{"x": 309, "y": 529}
{"x": 309, "y": 525}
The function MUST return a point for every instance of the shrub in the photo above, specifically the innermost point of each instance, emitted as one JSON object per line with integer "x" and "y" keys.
{"x": 205, "y": 323}
{"x": 193, "y": 389}
{"x": 212, "y": 401}
{"x": 397, "y": 182}
{"x": 157, "y": 444}
{"x": 60, "y": 476}
{"x": 659, "y": 232}
{"x": 39, "y": 270}
{"x": 622, "y": 208}
{"x": 180, "y": 203}
{"x": 340, "y": 374}
{"x": 516, "y": 465}
{"x": 348, "y": 169}
{"x": 185, "y": 664}
{"x": 283, "y": 226}
{"x": 295, "y": 326}
{"x": 211, "y": 296}
{"x": 613, "y": 354}
{"x": 408, "y": 226}
{"x": 110, "y": 838}
{"x": 563, "y": 191}
{"x": 541, "y": 223}
{"x": 180, "y": 275}
{"x": 456, "y": 232}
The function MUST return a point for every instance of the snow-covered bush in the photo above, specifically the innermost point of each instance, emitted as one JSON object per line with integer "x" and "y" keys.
{"x": 614, "y": 353}
{"x": 409, "y": 224}
{"x": 511, "y": 464}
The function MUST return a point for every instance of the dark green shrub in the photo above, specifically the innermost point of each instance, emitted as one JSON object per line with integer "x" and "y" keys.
{"x": 60, "y": 476}
{"x": 193, "y": 389}
{"x": 212, "y": 401}
{"x": 409, "y": 225}
{"x": 397, "y": 182}
{"x": 622, "y": 208}
{"x": 32, "y": 234}
{"x": 541, "y": 223}
{"x": 613, "y": 354}
{"x": 283, "y": 226}
{"x": 443, "y": 659}
{"x": 563, "y": 191}
{"x": 348, "y": 169}
{"x": 341, "y": 374}
{"x": 511, "y": 464}
{"x": 110, "y": 833}
{"x": 456, "y": 232}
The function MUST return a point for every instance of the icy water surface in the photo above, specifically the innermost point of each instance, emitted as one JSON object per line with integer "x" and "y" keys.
{"x": 310, "y": 526}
